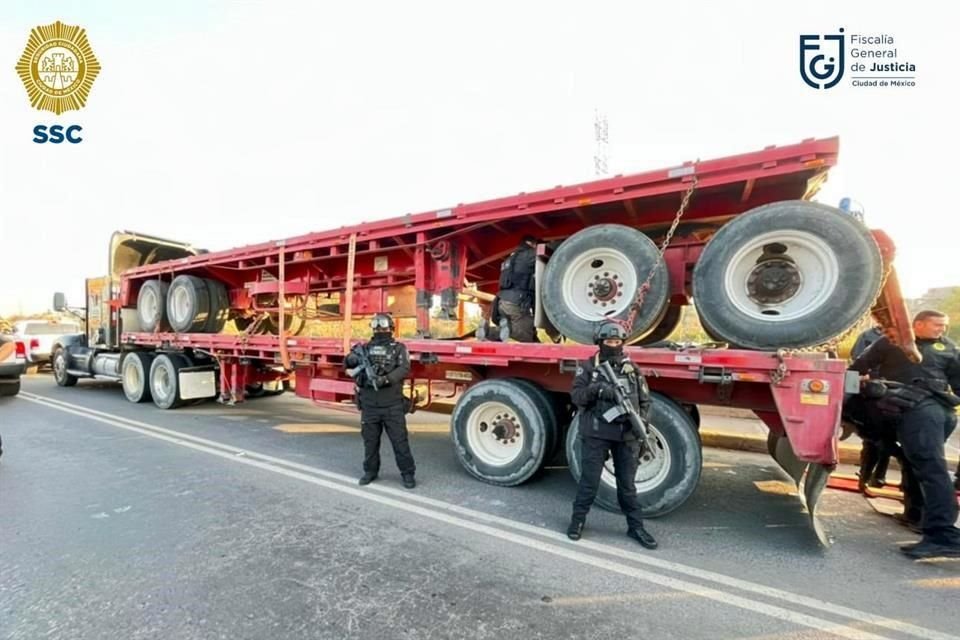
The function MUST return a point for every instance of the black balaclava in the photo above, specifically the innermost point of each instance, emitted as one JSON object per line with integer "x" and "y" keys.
{"x": 610, "y": 353}
{"x": 380, "y": 337}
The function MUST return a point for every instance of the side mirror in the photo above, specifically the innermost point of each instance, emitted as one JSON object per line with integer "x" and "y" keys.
{"x": 59, "y": 302}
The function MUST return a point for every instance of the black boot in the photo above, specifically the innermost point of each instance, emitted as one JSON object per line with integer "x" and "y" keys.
{"x": 504, "y": 330}
{"x": 575, "y": 530}
{"x": 408, "y": 481}
{"x": 642, "y": 536}
{"x": 368, "y": 477}
{"x": 927, "y": 548}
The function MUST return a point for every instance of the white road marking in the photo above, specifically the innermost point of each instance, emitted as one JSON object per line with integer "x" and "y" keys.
{"x": 437, "y": 512}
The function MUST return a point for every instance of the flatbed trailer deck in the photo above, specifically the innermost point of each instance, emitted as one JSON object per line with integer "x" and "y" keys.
{"x": 785, "y": 289}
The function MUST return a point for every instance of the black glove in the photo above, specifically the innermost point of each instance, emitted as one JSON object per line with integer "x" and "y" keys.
{"x": 603, "y": 391}
{"x": 382, "y": 381}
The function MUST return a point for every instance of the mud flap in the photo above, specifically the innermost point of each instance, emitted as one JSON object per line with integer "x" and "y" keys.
{"x": 814, "y": 484}
{"x": 811, "y": 479}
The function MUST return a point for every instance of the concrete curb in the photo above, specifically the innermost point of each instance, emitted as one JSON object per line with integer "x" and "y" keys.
{"x": 849, "y": 454}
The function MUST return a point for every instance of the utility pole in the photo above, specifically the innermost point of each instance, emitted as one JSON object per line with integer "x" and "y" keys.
{"x": 601, "y": 136}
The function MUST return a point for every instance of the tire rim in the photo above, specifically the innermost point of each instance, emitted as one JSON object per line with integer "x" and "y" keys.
{"x": 651, "y": 472}
{"x": 60, "y": 367}
{"x": 781, "y": 276}
{"x": 180, "y": 305}
{"x": 495, "y": 434}
{"x": 149, "y": 306}
{"x": 160, "y": 383}
{"x": 132, "y": 380}
{"x": 599, "y": 283}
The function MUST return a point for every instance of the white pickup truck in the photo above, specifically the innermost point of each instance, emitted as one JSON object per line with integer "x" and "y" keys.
{"x": 39, "y": 335}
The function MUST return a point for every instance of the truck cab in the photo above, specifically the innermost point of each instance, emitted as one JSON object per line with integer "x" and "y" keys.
{"x": 97, "y": 352}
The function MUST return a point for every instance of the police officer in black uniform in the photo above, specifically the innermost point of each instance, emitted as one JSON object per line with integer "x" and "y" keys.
{"x": 517, "y": 292}
{"x": 379, "y": 369}
{"x": 926, "y": 407}
{"x": 594, "y": 396}
{"x": 877, "y": 437}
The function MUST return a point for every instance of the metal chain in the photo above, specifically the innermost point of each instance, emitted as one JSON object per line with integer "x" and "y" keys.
{"x": 645, "y": 287}
{"x": 778, "y": 374}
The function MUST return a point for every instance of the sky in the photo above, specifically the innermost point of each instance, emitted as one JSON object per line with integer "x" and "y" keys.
{"x": 230, "y": 123}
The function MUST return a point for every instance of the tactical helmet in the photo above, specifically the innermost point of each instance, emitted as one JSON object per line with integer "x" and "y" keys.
{"x": 382, "y": 322}
{"x": 608, "y": 330}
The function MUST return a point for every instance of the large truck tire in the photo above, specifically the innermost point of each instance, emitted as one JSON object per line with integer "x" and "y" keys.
{"x": 549, "y": 409}
{"x": 219, "y": 306}
{"x": 665, "y": 328}
{"x": 293, "y": 325}
{"x": 789, "y": 274}
{"x": 9, "y": 389}
{"x": 499, "y": 432}
{"x": 152, "y": 306}
{"x": 135, "y": 376}
{"x": 165, "y": 380}
{"x": 594, "y": 275}
{"x": 188, "y": 304}
{"x": 61, "y": 363}
{"x": 712, "y": 333}
{"x": 664, "y": 482}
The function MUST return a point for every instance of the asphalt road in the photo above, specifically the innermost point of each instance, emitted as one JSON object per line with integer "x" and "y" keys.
{"x": 123, "y": 521}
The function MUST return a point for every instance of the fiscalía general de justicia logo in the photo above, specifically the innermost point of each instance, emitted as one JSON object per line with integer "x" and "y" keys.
{"x": 875, "y": 60}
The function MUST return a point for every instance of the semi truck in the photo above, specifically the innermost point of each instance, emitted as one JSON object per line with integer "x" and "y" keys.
{"x": 775, "y": 278}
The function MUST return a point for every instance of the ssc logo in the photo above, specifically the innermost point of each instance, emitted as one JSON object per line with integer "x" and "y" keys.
{"x": 821, "y": 60}
{"x": 58, "y": 68}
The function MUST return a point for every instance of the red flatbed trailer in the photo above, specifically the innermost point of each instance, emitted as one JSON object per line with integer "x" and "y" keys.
{"x": 513, "y": 413}
{"x": 436, "y": 250}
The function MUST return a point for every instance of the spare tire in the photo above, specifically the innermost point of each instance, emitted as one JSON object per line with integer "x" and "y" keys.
{"x": 219, "y": 306}
{"x": 188, "y": 304}
{"x": 665, "y": 328}
{"x": 152, "y": 306}
{"x": 293, "y": 324}
{"x": 594, "y": 275}
{"x": 789, "y": 274}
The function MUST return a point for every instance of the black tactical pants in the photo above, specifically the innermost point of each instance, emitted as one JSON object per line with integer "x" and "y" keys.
{"x": 520, "y": 321}
{"x": 593, "y": 454}
{"x": 874, "y": 459}
{"x": 373, "y": 422}
{"x": 922, "y": 433}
